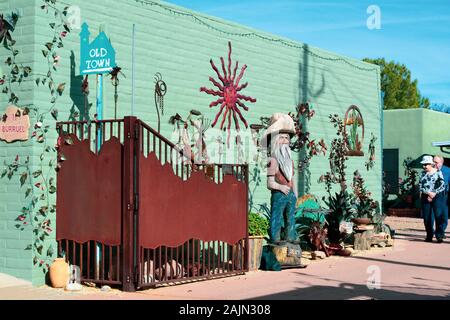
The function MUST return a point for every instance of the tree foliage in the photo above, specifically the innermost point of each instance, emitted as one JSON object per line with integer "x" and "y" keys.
{"x": 400, "y": 91}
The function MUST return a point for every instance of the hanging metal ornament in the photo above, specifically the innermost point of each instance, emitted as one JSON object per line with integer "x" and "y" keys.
{"x": 115, "y": 82}
{"x": 160, "y": 91}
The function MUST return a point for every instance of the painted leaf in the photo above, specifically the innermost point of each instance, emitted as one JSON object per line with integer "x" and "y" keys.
{"x": 15, "y": 69}
{"x": 55, "y": 114}
{"x": 37, "y": 173}
{"x": 26, "y": 71}
{"x": 43, "y": 210}
{"x": 23, "y": 178}
{"x": 61, "y": 88}
{"x": 50, "y": 251}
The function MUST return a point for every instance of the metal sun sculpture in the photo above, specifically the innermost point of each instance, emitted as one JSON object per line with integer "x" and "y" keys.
{"x": 230, "y": 99}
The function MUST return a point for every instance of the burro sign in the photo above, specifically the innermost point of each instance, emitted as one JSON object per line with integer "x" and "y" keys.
{"x": 97, "y": 57}
{"x": 14, "y": 125}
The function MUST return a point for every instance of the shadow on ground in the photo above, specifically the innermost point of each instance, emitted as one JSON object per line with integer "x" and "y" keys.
{"x": 350, "y": 291}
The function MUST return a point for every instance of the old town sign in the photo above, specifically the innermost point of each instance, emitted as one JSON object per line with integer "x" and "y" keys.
{"x": 97, "y": 57}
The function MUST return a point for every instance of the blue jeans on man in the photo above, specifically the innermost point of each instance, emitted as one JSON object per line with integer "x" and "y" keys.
{"x": 282, "y": 214}
{"x": 446, "y": 173}
{"x": 434, "y": 211}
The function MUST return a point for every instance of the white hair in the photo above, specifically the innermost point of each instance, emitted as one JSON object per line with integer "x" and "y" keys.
{"x": 282, "y": 153}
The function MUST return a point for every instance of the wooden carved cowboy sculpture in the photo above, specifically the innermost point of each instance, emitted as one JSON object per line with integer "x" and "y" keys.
{"x": 281, "y": 179}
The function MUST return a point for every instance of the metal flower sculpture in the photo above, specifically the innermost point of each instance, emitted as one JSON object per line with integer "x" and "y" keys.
{"x": 115, "y": 82}
{"x": 230, "y": 99}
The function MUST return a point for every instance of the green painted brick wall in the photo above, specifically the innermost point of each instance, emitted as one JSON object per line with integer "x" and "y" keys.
{"x": 178, "y": 43}
{"x": 14, "y": 259}
{"x": 412, "y": 132}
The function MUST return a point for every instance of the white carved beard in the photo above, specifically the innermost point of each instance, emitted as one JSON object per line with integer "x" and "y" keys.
{"x": 283, "y": 156}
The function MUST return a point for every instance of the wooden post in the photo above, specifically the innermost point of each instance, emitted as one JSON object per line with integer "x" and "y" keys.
{"x": 128, "y": 208}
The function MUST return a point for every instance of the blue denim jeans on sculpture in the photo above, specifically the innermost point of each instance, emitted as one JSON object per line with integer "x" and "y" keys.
{"x": 434, "y": 211}
{"x": 282, "y": 214}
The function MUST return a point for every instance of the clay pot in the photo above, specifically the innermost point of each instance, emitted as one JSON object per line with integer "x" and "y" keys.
{"x": 361, "y": 221}
{"x": 59, "y": 273}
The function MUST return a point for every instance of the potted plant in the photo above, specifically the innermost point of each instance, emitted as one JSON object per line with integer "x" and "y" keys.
{"x": 258, "y": 226}
{"x": 366, "y": 210}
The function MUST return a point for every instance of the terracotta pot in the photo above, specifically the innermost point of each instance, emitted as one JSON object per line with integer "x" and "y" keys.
{"x": 59, "y": 273}
{"x": 361, "y": 221}
{"x": 409, "y": 199}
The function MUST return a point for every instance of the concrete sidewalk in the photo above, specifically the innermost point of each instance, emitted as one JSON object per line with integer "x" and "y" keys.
{"x": 410, "y": 270}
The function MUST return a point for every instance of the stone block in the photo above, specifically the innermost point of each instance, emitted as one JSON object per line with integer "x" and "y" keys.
{"x": 318, "y": 255}
{"x": 363, "y": 240}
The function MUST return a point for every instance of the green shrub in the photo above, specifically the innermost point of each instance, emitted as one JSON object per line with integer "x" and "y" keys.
{"x": 257, "y": 225}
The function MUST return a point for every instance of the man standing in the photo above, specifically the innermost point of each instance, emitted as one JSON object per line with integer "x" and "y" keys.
{"x": 281, "y": 179}
{"x": 439, "y": 162}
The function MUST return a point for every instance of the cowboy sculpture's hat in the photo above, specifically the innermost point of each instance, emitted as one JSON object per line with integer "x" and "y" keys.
{"x": 279, "y": 123}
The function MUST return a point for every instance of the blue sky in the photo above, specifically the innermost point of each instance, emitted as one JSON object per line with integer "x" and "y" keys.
{"x": 413, "y": 32}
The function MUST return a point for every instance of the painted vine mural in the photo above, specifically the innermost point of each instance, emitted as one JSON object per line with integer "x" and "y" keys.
{"x": 36, "y": 179}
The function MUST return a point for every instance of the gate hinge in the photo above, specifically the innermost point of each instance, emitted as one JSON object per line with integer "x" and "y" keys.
{"x": 136, "y": 202}
{"x": 136, "y": 275}
{"x": 133, "y": 206}
{"x": 128, "y": 278}
{"x": 136, "y": 132}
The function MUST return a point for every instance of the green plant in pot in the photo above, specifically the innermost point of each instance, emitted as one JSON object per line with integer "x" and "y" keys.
{"x": 258, "y": 225}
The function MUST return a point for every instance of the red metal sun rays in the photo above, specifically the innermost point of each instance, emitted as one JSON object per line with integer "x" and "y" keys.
{"x": 230, "y": 99}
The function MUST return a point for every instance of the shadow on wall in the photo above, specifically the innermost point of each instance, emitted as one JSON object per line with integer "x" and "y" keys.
{"x": 80, "y": 103}
{"x": 305, "y": 94}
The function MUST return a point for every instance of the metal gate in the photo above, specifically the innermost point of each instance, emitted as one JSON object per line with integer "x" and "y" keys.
{"x": 132, "y": 210}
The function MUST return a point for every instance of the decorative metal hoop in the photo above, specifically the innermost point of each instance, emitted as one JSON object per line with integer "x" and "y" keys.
{"x": 351, "y": 152}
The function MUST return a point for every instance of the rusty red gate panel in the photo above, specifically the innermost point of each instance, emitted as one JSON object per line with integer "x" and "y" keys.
{"x": 89, "y": 192}
{"x": 172, "y": 211}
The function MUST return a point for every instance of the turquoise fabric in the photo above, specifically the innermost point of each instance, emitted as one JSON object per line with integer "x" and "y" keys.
{"x": 305, "y": 217}
{"x": 269, "y": 261}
